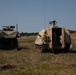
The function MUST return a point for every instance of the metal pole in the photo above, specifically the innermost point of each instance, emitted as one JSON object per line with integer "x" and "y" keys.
{"x": 17, "y": 27}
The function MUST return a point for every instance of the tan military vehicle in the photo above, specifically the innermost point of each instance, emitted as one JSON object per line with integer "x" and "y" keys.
{"x": 54, "y": 38}
{"x": 8, "y": 37}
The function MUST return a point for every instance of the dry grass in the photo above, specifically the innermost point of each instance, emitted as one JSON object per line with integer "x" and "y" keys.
{"x": 29, "y": 61}
{"x": 73, "y": 36}
{"x": 26, "y": 42}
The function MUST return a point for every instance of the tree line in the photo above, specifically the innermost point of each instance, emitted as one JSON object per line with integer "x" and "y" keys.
{"x": 72, "y": 31}
{"x": 28, "y": 34}
{"x": 36, "y": 33}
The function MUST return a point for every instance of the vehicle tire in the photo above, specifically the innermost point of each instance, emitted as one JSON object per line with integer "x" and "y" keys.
{"x": 44, "y": 48}
{"x": 68, "y": 48}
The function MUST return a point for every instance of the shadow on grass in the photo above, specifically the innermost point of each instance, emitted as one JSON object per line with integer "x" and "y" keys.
{"x": 21, "y": 48}
{"x": 7, "y": 49}
{"x": 5, "y": 67}
{"x": 64, "y": 51}
{"x": 58, "y": 51}
{"x": 73, "y": 51}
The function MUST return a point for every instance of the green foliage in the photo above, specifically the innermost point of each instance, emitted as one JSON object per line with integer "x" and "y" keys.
{"x": 28, "y": 34}
{"x": 72, "y": 31}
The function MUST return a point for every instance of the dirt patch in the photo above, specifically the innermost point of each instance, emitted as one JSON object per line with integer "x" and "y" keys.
{"x": 8, "y": 66}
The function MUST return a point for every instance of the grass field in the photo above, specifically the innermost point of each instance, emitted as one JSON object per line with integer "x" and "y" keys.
{"x": 29, "y": 61}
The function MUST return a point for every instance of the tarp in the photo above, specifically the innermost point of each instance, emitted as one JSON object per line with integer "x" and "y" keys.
{"x": 8, "y": 34}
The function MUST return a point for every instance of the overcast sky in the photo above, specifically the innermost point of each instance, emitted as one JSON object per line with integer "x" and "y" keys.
{"x": 34, "y": 15}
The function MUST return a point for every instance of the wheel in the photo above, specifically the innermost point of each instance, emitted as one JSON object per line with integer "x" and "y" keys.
{"x": 68, "y": 47}
{"x": 44, "y": 48}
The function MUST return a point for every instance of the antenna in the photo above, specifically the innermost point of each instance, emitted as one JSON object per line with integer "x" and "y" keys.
{"x": 17, "y": 27}
{"x": 44, "y": 15}
{"x": 53, "y": 22}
